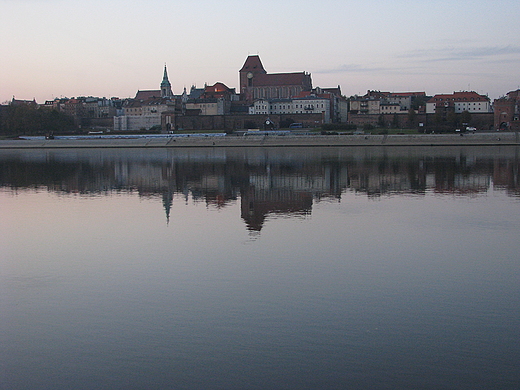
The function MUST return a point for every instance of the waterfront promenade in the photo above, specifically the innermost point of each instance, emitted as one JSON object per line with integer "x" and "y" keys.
{"x": 497, "y": 138}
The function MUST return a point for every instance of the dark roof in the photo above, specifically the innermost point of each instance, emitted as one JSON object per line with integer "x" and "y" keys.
{"x": 335, "y": 90}
{"x": 252, "y": 63}
{"x": 195, "y": 93}
{"x": 21, "y": 102}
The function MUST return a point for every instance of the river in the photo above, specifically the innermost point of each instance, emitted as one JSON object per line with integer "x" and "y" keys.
{"x": 260, "y": 268}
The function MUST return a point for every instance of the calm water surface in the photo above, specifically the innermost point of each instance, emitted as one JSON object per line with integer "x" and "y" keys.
{"x": 295, "y": 268}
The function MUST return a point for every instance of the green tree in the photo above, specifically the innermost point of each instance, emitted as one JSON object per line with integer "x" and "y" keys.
{"x": 23, "y": 119}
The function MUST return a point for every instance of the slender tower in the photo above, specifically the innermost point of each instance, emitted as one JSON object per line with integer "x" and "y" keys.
{"x": 166, "y": 87}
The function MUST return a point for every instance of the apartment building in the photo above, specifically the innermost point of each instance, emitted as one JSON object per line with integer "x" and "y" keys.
{"x": 459, "y": 102}
{"x": 299, "y": 105}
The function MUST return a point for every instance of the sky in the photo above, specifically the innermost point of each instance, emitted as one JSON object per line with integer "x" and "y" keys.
{"x": 55, "y": 48}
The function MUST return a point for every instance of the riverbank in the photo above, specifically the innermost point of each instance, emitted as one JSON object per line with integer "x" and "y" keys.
{"x": 272, "y": 141}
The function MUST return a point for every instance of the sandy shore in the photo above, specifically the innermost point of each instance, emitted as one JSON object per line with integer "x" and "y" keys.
{"x": 273, "y": 141}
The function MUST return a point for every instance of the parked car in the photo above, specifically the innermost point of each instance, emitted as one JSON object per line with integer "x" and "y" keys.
{"x": 471, "y": 129}
{"x": 296, "y": 126}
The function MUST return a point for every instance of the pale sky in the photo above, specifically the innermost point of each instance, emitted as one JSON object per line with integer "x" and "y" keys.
{"x": 53, "y": 48}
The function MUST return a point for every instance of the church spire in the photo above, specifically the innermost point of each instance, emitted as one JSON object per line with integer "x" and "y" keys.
{"x": 166, "y": 87}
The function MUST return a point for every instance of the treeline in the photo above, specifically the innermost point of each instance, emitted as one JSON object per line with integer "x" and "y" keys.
{"x": 28, "y": 120}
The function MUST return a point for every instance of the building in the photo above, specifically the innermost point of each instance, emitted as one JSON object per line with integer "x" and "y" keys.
{"x": 211, "y": 100}
{"x": 18, "y": 102}
{"x": 507, "y": 111}
{"x": 256, "y": 83}
{"x": 377, "y": 102}
{"x": 146, "y": 110}
{"x": 364, "y": 106}
{"x": 459, "y": 102}
{"x": 310, "y": 104}
{"x": 405, "y": 100}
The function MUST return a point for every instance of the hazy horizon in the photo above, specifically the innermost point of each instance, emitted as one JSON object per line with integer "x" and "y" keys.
{"x": 60, "y": 48}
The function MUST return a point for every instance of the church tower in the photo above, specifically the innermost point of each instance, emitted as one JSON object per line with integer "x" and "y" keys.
{"x": 166, "y": 87}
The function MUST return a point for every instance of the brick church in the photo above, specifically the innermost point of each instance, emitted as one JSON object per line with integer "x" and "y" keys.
{"x": 256, "y": 83}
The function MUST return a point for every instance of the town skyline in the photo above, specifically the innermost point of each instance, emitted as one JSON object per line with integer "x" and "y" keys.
{"x": 73, "y": 49}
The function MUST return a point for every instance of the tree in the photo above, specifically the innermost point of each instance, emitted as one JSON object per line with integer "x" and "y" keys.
{"x": 23, "y": 119}
{"x": 452, "y": 118}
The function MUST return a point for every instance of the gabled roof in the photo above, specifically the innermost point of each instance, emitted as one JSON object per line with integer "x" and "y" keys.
{"x": 195, "y": 93}
{"x": 19, "y": 102}
{"x": 335, "y": 90}
{"x": 148, "y": 94}
{"x": 217, "y": 87}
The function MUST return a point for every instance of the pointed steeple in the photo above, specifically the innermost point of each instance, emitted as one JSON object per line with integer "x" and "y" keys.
{"x": 167, "y": 203}
{"x": 166, "y": 87}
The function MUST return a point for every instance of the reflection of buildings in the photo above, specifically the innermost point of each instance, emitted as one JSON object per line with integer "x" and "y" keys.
{"x": 506, "y": 177}
{"x": 265, "y": 182}
{"x": 256, "y": 205}
{"x": 279, "y": 193}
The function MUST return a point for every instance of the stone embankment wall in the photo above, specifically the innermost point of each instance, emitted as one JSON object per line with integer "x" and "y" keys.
{"x": 274, "y": 141}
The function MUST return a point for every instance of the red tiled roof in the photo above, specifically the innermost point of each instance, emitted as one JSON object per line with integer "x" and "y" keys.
{"x": 459, "y": 96}
{"x": 309, "y": 93}
{"x": 279, "y": 79}
{"x": 406, "y": 94}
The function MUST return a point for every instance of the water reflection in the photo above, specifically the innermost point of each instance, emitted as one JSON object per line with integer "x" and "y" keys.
{"x": 384, "y": 268}
{"x": 265, "y": 181}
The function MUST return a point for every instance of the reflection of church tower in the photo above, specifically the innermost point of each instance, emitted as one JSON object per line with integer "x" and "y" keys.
{"x": 166, "y": 87}
{"x": 167, "y": 198}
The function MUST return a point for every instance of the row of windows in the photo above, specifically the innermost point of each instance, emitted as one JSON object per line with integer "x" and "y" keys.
{"x": 454, "y": 99}
{"x": 264, "y": 107}
{"x": 282, "y": 112}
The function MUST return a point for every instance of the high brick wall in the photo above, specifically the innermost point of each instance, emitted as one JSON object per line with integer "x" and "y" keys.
{"x": 480, "y": 121}
{"x": 241, "y": 122}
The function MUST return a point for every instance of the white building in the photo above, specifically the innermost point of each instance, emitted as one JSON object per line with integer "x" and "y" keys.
{"x": 460, "y": 102}
{"x": 136, "y": 122}
{"x": 139, "y": 115}
{"x": 303, "y": 105}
